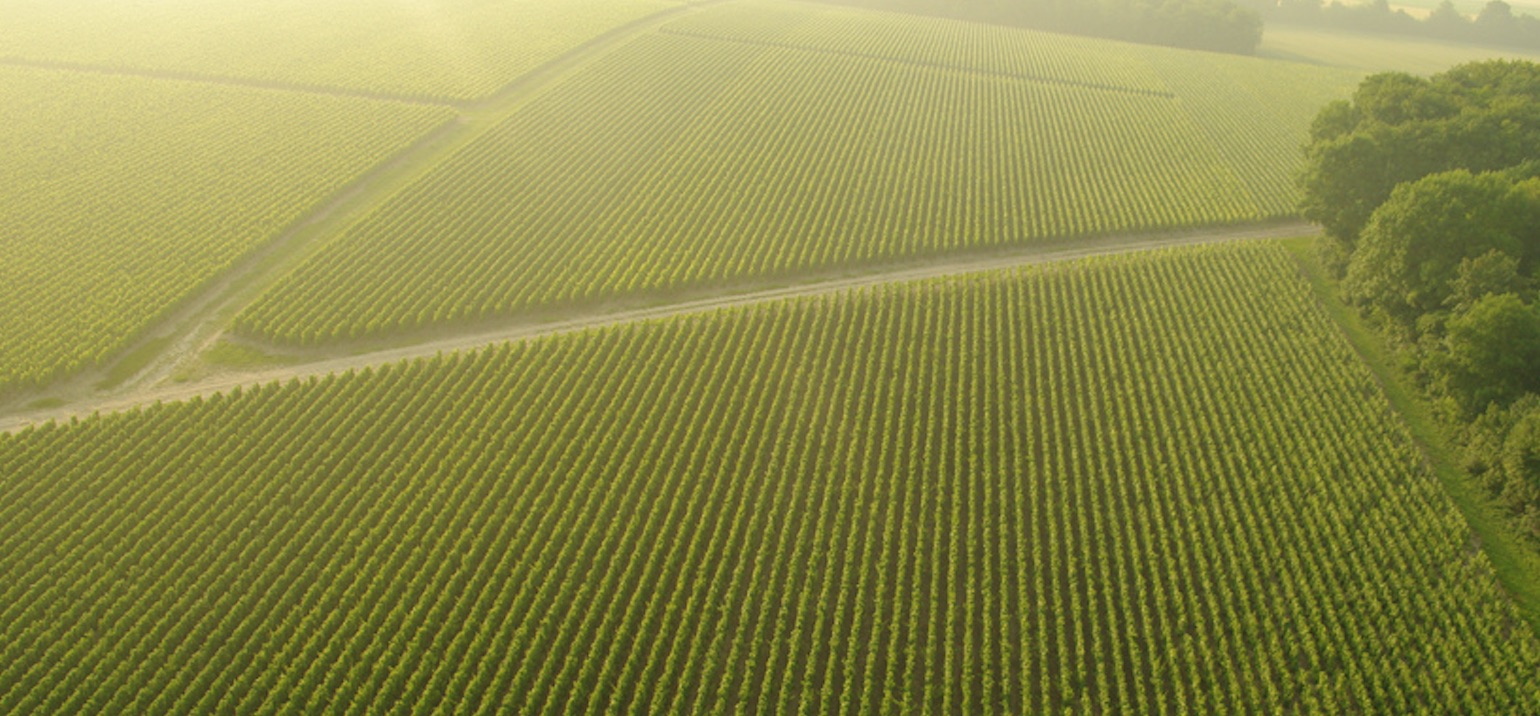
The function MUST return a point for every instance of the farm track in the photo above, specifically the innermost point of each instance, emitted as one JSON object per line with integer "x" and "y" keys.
{"x": 148, "y": 368}
{"x": 143, "y": 393}
{"x": 197, "y": 320}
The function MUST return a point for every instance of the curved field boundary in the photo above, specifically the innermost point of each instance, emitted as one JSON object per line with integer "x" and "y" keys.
{"x": 529, "y": 80}
{"x": 199, "y": 320}
{"x": 1039, "y": 79}
{"x": 226, "y": 80}
{"x": 525, "y": 330}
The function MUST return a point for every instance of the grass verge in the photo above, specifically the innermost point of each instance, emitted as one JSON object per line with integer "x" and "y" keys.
{"x": 235, "y": 355}
{"x": 225, "y": 356}
{"x": 134, "y": 361}
{"x": 1515, "y": 561}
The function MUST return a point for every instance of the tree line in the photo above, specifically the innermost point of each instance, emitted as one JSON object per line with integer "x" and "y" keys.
{"x": 1495, "y": 24}
{"x": 1429, "y": 192}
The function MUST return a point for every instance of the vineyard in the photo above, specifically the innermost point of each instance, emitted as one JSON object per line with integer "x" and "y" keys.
{"x": 1153, "y": 483}
{"x": 711, "y": 151}
{"x": 442, "y": 50}
{"x": 119, "y": 196}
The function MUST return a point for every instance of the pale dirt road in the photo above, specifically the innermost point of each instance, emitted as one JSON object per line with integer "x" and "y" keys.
{"x": 524, "y": 329}
{"x": 195, "y": 321}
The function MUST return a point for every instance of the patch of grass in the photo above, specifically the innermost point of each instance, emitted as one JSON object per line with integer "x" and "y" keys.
{"x": 1514, "y": 559}
{"x": 45, "y": 403}
{"x": 226, "y": 354}
{"x": 134, "y": 361}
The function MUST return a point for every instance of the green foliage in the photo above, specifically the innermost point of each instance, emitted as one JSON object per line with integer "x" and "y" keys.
{"x": 1494, "y": 350}
{"x": 1216, "y": 25}
{"x": 1490, "y": 273}
{"x": 1480, "y": 117}
{"x": 957, "y": 496}
{"x": 120, "y": 196}
{"x": 1495, "y": 25}
{"x": 1412, "y": 250}
{"x": 1503, "y": 450}
{"x": 1338, "y": 118}
{"x": 712, "y": 152}
{"x": 1398, "y": 98}
{"x": 1448, "y": 259}
{"x": 1521, "y": 449}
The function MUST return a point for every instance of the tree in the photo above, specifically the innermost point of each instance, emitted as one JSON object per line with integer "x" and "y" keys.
{"x": 1398, "y": 98}
{"x": 1447, "y": 22}
{"x": 1413, "y": 247}
{"x": 1521, "y": 449}
{"x": 1480, "y": 116}
{"x": 1496, "y": 22}
{"x": 1490, "y": 273}
{"x": 1493, "y": 351}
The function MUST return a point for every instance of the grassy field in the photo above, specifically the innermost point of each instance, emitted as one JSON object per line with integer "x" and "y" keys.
{"x": 119, "y": 196}
{"x": 1151, "y": 483}
{"x": 712, "y": 151}
{"x": 1374, "y": 53}
{"x": 442, "y": 49}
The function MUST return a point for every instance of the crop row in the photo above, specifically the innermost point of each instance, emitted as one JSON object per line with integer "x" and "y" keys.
{"x": 687, "y": 161}
{"x": 1142, "y": 484}
{"x": 119, "y": 196}
{"x": 962, "y": 46}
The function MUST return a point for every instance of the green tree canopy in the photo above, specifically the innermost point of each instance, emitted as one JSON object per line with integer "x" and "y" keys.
{"x": 1412, "y": 250}
{"x": 1521, "y": 449}
{"x": 1398, "y": 128}
{"x": 1489, "y": 273}
{"x": 1494, "y": 351}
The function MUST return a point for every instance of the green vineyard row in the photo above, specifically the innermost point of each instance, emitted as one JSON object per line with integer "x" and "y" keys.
{"x": 120, "y": 196}
{"x": 960, "y": 46}
{"x": 693, "y": 157}
{"x": 1156, "y": 483}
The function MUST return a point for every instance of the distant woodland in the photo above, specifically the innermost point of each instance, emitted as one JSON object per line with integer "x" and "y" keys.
{"x": 1496, "y": 24}
{"x": 1227, "y": 25}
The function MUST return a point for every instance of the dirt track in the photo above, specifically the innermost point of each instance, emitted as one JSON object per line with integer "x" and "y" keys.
{"x": 195, "y": 321}
{"x": 527, "y": 329}
{"x": 198, "y": 323}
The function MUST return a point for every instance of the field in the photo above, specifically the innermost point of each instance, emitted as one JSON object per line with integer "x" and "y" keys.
{"x": 720, "y": 156}
{"x": 120, "y": 196}
{"x": 1374, "y": 53}
{"x": 620, "y": 471}
{"x": 1160, "y": 482}
{"x": 439, "y": 49}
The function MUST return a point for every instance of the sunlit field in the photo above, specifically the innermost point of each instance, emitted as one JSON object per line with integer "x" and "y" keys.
{"x": 763, "y": 356}
{"x": 1151, "y": 484}
{"x": 712, "y": 151}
